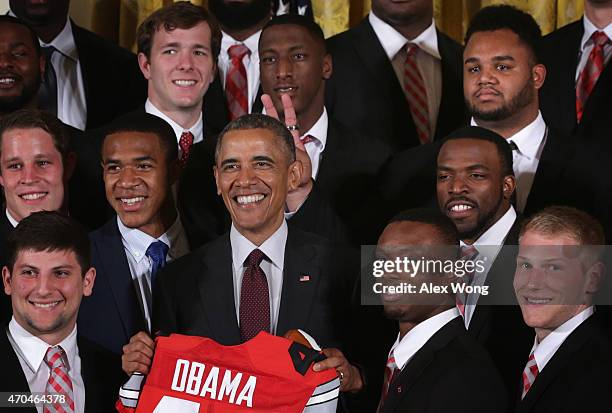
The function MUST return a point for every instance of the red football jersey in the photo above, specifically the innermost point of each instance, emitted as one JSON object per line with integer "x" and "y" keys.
{"x": 266, "y": 374}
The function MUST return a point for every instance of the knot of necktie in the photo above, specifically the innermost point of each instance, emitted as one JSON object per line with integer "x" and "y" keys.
{"x": 599, "y": 38}
{"x": 468, "y": 252}
{"x": 238, "y": 51}
{"x": 185, "y": 143}
{"x": 307, "y": 139}
{"x": 55, "y": 357}
{"x": 411, "y": 49}
{"x": 157, "y": 252}
{"x": 255, "y": 258}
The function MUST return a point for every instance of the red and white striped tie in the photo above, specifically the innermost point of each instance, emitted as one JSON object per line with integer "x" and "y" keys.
{"x": 589, "y": 75}
{"x": 59, "y": 381}
{"x": 529, "y": 374}
{"x": 236, "y": 86}
{"x": 468, "y": 253}
{"x": 391, "y": 373}
{"x": 416, "y": 93}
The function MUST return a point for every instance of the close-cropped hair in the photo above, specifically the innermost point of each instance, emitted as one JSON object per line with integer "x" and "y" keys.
{"x": 146, "y": 123}
{"x": 5, "y": 18}
{"x": 49, "y": 231}
{"x": 294, "y": 19}
{"x": 445, "y": 226}
{"x": 33, "y": 119}
{"x": 259, "y": 121}
{"x": 508, "y": 17}
{"x": 179, "y": 15}
{"x": 478, "y": 133}
{"x": 564, "y": 220}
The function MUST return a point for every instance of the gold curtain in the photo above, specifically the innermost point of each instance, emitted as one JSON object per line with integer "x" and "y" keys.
{"x": 335, "y": 16}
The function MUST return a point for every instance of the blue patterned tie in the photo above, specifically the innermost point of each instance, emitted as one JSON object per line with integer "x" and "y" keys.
{"x": 157, "y": 251}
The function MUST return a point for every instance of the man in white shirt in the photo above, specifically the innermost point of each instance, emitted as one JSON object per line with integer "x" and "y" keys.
{"x": 88, "y": 80}
{"x": 46, "y": 276}
{"x": 432, "y": 350}
{"x": 177, "y": 53}
{"x": 559, "y": 270}
{"x": 139, "y": 159}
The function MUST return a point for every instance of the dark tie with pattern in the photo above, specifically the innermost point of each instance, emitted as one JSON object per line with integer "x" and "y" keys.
{"x": 254, "y": 298}
{"x": 47, "y": 94}
{"x": 157, "y": 252}
{"x": 236, "y": 86}
{"x": 592, "y": 69}
{"x": 185, "y": 143}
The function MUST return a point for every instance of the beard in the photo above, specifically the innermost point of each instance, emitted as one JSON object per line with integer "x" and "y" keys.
{"x": 12, "y": 103}
{"x": 483, "y": 222}
{"x": 240, "y": 16}
{"x": 521, "y": 100}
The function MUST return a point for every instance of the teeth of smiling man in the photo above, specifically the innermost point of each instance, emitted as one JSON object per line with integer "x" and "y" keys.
{"x": 248, "y": 199}
{"x": 7, "y": 80}
{"x": 48, "y": 305}
{"x": 132, "y": 201}
{"x": 459, "y": 208}
{"x": 538, "y": 300}
{"x": 33, "y": 197}
{"x": 286, "y": 89}
{"x": 184, "y": 82}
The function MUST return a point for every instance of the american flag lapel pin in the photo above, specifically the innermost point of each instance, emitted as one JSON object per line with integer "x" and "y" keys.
{"x": 304, "y": 278}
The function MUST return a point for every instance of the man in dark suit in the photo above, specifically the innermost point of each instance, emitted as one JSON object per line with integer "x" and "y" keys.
{"x": 574, "y": 105}
{"x": 559, "y": 270}
{"x": 85, "y": 73}
{"x": 46, "y": 275}
{"x": 432, "y": 350}
{"x": 368, "y": 90}
{"x": 139, "y": 157}
{"x": 289, "y": 277}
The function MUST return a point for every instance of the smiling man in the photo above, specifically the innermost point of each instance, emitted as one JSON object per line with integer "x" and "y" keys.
{"x": 559, "y": 270}
{"x": 47, "y": 274}
{"x": 139, "y": 158}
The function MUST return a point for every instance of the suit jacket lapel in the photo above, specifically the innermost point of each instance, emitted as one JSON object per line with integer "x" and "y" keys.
{"x": 332, "y": 156}
{"x": 567, "y": 74}
{"x": 217, "y": 292}
{"x": 298, "y": 292}
{"x": 452, "y": 93}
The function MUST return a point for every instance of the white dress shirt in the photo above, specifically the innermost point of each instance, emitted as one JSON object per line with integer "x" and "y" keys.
{"x": 274, "y": 248}
{"x": 405, "y": 348}
{"x": 530, "y": 142}
{"x": 544, "y": 351}
{"x": 10, "y": 218}
{"x": 317, "y": 146}
{"x": 586, "y": 44}
{"x": 250, "y": 62}
{"x": 488, "y": 245}
{"x": 31, "y": 352}
{"x": 135, "y": 244}
{"x": 196, "y": 129}
{"x": 429, "y": 63}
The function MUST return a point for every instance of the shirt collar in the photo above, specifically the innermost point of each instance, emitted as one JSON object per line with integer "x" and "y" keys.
{"x": 498, "y": 231}
{"x": 319, "y": 129}
{"x": 403, "y": 350}
{"x": 34, "y": 349}
{"x": 64, "y": 42}
{"x": 589, "y": 29}
{"x": 10, "y": 218}
{"x": 195, "y": 129}
{"x": 273, "y": 247}
{"x": 137, "y": 242}
{"x": 252, "y": 42}
{"x": 545, "y": 350}
{"x": 392, "y": 41}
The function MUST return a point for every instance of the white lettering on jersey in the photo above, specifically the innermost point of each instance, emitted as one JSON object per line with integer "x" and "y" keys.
{"x": 247, "y": 392}
{"x": 182, "y": 366}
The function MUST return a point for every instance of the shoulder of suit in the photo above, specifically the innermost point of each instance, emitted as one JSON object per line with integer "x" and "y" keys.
{"x": 98, "y": 44}
{"x": 561, "y": 34}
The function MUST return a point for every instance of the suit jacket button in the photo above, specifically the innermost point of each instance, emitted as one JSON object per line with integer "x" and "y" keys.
{"x": 399, "y": 389}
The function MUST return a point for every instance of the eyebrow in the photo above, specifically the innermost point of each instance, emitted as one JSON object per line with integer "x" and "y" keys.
{"x": 263, "y": 158}
{"x": 137, "y": 159}
{"x": 178, "y": 45}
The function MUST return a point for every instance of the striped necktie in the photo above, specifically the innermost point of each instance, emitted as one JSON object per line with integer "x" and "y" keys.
{"x": 59, "y": 381}
{"x": 416, "y": 93}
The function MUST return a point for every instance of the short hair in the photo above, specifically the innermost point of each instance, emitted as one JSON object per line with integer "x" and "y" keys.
{"x": 5, "y": 18}
{"x": 310, "y": 25}
{"x": 49, "y": 231}
{"x": 259, "y": 121}
{"x": 179, "y": 15}
{"x": 501, "y": 17}
{"x": 482, "y": 134}
{"x": 146, "y": 123}
{"x": 444, "y": 225}
{"x": 32, "y": 119}
{"x": 555, "y": 220}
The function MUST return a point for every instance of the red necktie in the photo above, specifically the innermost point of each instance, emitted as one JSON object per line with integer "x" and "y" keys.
{"x": 236, "y": 86}
{"x": 529, "y": 374}
{"x": 307, "y": 139}
{"x": 391, "y": 373}
{"x": 185, "y": 144}
{"x": 254, "y": 298}
{"x": 59, "y": 382}
{"x": 414, "y": 86}
{"x": 468, "y": 253}
{"x": 592, "y": 69}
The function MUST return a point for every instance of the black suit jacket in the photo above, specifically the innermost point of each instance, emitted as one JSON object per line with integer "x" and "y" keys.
{"x": 6, "y": 228}
{"x": 194, "y": 295}
{"x": 576, "y": 378}
{"x": 364, "y": 92}
{"x": 561, "y": 53}
{"x": 111, "y": 315}
{"x": 113, "y": 82}
{"x": 450, "y": 373}
{"x": 101, "y": 372}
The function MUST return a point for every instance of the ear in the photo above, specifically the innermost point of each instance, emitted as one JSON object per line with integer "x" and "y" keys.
{"x": 6, "y": 280}
{"x": 327, "y": 66}
{"x": 145, "y": 65}
{"x": 216, "y": 173}
{"x": 294, "y": 177}
{"x": 70, "y": 165}
{"x": 539, "y": 75}
{"x": 594, "y": 277}
{"x": 88, "y": 281}
{"x": 509, "y": 186}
